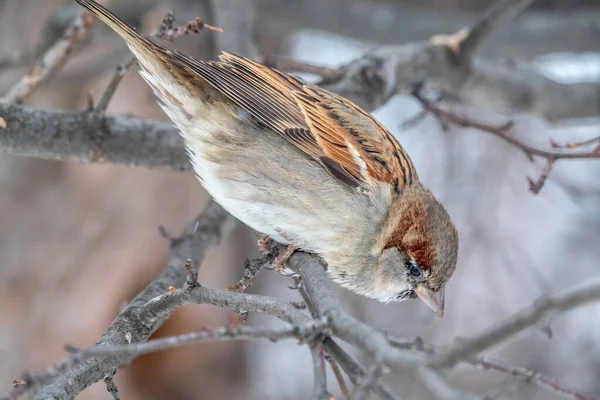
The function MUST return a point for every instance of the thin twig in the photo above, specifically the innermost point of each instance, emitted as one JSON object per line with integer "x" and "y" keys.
{"x": 339, "y": 376}
{"x": 529, "y": 376}
{"x": 520, "y": 373}
{"x": 52, "y": 60}
{"x": 540, "y": 310}
{"x": 304, "y": 332}
{"x": 502, "y": 132}
{"x": 575, "y": 145}
{"x": 362, "y": 391}
{"x": 536, "y": 186}
{"x": 168, "y": 30}
{"x": 319, "y": 372}
{"x": 111, "y": 88}
{"x": 165, "y": 30}
{"x": 140, "y": 319}
{"x": 111, "y": 386}
{"x": 354, "y": 370}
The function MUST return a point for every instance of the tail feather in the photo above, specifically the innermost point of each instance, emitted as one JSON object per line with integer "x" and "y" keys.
{"x": 166, "y": 71}
{"x": 128, "y": 33}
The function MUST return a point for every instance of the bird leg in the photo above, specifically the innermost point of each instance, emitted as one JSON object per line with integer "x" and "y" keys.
{"x": 264, "y": 245}
{"x": 279, "y": 263}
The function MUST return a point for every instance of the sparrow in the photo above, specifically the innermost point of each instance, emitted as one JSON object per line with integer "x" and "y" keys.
{"x": 304, "y": 166}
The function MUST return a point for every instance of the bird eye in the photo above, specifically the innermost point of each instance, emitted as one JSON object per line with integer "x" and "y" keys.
{"x": 415, "y": 271}
{"x": 413, "y": 268}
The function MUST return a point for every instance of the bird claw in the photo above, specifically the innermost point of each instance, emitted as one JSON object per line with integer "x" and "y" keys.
{"x": 264, "y": 245}
{"x": 279, "y": 264}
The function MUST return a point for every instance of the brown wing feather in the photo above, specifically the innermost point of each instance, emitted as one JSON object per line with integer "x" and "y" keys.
{"x": 327, "y": 127}
{"x": 354, "y": 139}
{"x": 347, "y": 141}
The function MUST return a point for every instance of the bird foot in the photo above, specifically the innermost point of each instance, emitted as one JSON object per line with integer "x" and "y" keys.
{"x": 264, "y": 245}
{"x": 279, "y": 264}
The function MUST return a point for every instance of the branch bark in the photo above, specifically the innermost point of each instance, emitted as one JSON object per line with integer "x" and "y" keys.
{"x": 540, "y": 310}
{"x": 80, "y": 136}
{"x": 132, "y": 326}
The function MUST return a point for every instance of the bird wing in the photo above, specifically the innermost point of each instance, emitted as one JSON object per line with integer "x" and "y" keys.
{"x": 348, "y": 142}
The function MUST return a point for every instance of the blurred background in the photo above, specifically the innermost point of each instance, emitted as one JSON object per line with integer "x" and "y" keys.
{"x": 79, "y": 241}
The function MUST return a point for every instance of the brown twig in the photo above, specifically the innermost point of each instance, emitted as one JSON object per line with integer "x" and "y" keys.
{"x": 536, "y": 186}
{"x": 502, "y": 132}
{"x": 339, "y": 376}
{"x": 319, "y": 372}
{"x": 168, "y": 30}
{"x": 576, "y": 145}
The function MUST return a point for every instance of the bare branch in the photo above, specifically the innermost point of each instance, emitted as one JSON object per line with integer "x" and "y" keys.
{"x": 339, "y": 376}
{"x": 303, "y": 332}
{"x": 354, "y": 370}
{"x": 551, "y": 156}
{"x": 529, "y": 376}
{"x": 133, "y": 326}
{"x": 119, "y": 140}
{"x": 111, "y": 89}
{"x": 166, "y": 30}
{"x": 540, "y": 310}
{"x": 111, "y": 387}
{"x": 52, "y": 60}
{"x": 520, "y": 373}
{"x": 319, "y": 373}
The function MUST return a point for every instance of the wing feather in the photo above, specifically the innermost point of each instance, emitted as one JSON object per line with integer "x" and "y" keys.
{"x": 348, "y": 142}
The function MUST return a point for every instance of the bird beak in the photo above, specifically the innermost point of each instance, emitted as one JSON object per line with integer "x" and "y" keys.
{"x": 433, "y": 300}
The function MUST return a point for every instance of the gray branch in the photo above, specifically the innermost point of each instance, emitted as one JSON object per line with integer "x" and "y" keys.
{"x": 57, "y": 135}
{"x": 541, "y": 310}
{"x": 133, "y": 326}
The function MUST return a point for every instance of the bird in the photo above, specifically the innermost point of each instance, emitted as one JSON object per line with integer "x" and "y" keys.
{"x": 304, "y": 167}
